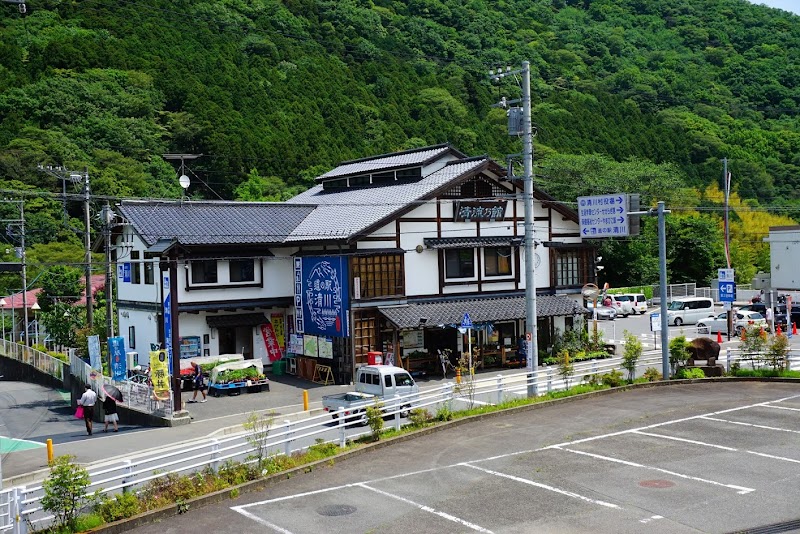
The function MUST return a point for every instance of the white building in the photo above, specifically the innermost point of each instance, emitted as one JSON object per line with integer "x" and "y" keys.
{"x": 384, "y": 254}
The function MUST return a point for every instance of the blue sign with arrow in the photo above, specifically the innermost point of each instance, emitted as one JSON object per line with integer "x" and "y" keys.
{"x": 604, "y": 215}
{"x": 727, "y": 291}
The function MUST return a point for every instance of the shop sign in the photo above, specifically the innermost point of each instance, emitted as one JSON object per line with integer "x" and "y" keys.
{"x": 119, "y": 364}
{"x": 480, "y": 210}
{"x": 159, "y": 374}
{"x": 322, "y": 291}
{"x": 279, "y": 326}
{"x": 270, "y": 342}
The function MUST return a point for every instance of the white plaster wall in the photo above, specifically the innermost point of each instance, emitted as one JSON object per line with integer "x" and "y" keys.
{"x": 126, "y": 290}
{"x": 784, "y": 254}
{"x": 146, "y": 331}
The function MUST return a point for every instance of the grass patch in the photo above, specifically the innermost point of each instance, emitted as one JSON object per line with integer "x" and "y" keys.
{"x": 765, "y": 373}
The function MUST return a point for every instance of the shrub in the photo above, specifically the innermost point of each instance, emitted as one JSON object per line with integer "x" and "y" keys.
{"x": 692, "y": 372}
{"x": 566, "y": 368}
{"x": 651, "y": 374}
{"x": 420, "y": 417}
{"x": 375, "y": 420}
{"x": 633, "y": 351}
{"x": 612, "y": 379}
{"x": 258, "y": 427}
{"x": 444, "y": 412}
{"x": 121, "y": 506}
{"x": 678, "y": 351}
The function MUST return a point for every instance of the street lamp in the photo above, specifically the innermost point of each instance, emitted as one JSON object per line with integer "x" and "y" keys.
{"x": 3, "y": 311}
{"x": 35, "y": 309}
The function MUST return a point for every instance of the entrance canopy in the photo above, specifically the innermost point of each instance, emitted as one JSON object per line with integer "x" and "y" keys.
{"x": 450, "y": 312}
{"x": 241, "y": 319}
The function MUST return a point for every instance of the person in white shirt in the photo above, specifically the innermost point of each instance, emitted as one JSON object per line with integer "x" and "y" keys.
{"x": 770, "y": 316}
{"x": 88, "y": 400}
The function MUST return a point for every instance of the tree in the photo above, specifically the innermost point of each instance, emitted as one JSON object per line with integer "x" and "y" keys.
{"x": 65, "y": 491}
{"x": 59, "y": 284}
{"x": 631, "y": 355}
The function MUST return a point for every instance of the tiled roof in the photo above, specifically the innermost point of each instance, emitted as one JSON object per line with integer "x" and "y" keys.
{"x": 472, "y": 242}
{"x": 485, "y": 310}
{"x": 386, "y": 162}
{"x": 213, "y": 223}
{"x": 340, "y": 213}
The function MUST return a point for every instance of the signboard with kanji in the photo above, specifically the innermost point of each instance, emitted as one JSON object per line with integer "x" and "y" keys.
{"x": 494, "y": 210}
{"x": 604, "y": 215}
{"x": 159, "y": 374}
{"x": 322, "y": 295}
{"x": 727, "y": 291}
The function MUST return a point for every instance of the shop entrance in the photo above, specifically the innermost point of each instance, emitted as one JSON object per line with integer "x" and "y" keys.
{"x": 236, "y": 340}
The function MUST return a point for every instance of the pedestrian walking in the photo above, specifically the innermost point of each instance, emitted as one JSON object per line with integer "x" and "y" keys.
{"x": 88, "y": 400}
{"x": 199, "y": 383}
{"x": 770, "y": 317}
{"x": 110, "y": 409}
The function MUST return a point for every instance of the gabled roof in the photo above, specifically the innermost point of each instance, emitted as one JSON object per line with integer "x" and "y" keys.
{"x": 344, "y": 213}
{"x": 385, "y": 162}
{"x": 213, "y": 223}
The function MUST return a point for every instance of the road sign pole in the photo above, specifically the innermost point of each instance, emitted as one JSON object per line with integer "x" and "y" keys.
{"x": 662, "y": 275}
{"x": 469, "y": 345}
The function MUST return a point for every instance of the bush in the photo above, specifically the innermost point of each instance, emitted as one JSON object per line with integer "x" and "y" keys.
{"x": 444, "y": 412}
{"x": 420, "y": 417}
{"x": 65, "y": 491}
{"x": 691, "y": 372}
{"x": 121, "y": 506}
{"x": 613, "y": 379}
{"x": 375, "y": 420}
{"x": 678, "y": 351}
{"x": 651, "y": 374}
{"x": 633, "y": 351}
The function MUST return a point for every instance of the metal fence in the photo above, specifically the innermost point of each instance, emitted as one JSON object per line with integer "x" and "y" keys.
{"x": 35, "y": 358}
{"x": 21, "y": 509}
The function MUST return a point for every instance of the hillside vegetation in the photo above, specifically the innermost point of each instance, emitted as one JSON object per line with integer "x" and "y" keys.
{"x": 645, "y": 94}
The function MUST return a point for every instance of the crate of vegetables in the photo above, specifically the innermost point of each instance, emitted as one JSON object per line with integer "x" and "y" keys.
{"x": 232, "y": 378}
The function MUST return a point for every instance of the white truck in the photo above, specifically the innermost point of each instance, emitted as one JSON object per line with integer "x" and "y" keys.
{"x": 374, "y": 383}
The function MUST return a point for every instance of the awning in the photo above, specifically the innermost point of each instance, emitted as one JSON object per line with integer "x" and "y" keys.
{"x": 480, "y": 310}
{"x": 240, "y": 319}
{"x": 472, "y": 242}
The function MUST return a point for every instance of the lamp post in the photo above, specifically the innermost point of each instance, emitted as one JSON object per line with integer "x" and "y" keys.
{"x": 36, "y": 309}
{"x": 3, "y": 311}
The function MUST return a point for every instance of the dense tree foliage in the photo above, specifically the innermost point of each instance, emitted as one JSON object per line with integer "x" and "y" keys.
{"x": 628, "y": 94}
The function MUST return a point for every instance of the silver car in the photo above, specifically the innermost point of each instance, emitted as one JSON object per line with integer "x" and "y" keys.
{"x": 603, "y": 312}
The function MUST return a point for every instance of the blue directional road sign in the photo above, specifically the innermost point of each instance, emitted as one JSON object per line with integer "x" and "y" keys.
{"x": 466, "y": 322}
{"x": 727, "y": 291}
{"x": 604, "y": 215}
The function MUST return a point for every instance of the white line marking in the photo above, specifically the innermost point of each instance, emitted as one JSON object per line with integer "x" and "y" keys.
{"x": 741, "y": 490}
{"x": 260, "y": 520}
{"x": 783, "y": 408}
{"x": 296, "y": 495}
{"x": 651, "y": 518}
{"x": 544, "y": 486}
{"x": 774, "y": 457}
{"x": 473, "y": 401}
{"x": 428, "y": 509}
{"x": 740, "y": 423}
{"x": 684, "y": 440}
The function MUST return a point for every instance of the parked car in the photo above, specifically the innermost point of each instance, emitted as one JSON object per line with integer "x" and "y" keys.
{"x": 741, "y": 320}
{"x": 689, "y": 310}
{"x": 603, "y": 312}
{"x": 780, "y": 316}
{"x": 373, "y": 383}
{"x": 759, "y": 307}
{"x": 638, "y": 301}
{"x": 623, "y": 305}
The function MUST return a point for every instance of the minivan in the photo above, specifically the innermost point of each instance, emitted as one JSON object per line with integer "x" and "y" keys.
{"x": 639, "y": 302}
{"x": 689, "y": 310}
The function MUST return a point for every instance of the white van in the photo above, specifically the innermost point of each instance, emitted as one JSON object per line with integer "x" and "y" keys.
{"x": 689, "y": 310}
{"x": 639, "y": 302}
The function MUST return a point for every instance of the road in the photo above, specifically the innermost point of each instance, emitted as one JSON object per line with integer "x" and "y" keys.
{"x": 688, "y": 458}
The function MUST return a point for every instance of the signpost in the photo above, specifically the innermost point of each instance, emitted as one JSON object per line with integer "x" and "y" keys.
{"x": 727, "y": 293}
{"x": 466, "y": 324}
{"x": 655, "y": 325}
{"x": 604, "y": 215}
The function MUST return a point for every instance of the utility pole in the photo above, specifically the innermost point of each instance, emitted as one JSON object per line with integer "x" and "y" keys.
{"x": 5, "y": 267}
{"x": 77, "y": 176}
{"x": 109, "y": 275}
{"x": 662, "y": 283}
{"x": 726, "y": 179}
{"x": 526, "y": 129}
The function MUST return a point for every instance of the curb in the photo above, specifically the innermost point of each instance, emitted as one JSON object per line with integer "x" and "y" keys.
{"x": 256, "y": 485}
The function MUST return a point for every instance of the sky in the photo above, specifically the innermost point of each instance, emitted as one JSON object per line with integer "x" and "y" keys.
{"x": 786, "y": 5}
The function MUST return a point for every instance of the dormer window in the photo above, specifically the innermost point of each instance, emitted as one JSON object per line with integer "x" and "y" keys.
{"x": 379, "y": 178}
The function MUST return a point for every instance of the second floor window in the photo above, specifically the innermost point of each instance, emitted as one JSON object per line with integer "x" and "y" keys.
{"x": 497, "y": 261}
{"x": 242, "y": 271}
{"x": 136, "y": 268}
{"x": 381, "y": 275}
{"x": 568, "y": 271}
{"x": 204, "y": 272}
{"x": 459, "y": 263}
{"x": 149, "y": 266}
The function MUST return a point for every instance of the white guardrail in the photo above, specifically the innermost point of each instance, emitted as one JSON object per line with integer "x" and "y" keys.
{"x": 21, "y": 508}
{"x": 35, "y": 358}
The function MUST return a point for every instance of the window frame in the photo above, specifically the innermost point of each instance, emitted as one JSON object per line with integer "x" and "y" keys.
{"x": 509, "y": 261}
{"x": 196, "y": 265}
{"x": 460, "y": 258}
{"x": 242, "y": 262}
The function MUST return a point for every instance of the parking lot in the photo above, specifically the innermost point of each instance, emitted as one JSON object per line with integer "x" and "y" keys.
{"x": 704, "y": 458}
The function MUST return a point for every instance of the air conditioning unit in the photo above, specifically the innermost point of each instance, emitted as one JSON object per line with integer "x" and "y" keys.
{"x": 132, "y": 359}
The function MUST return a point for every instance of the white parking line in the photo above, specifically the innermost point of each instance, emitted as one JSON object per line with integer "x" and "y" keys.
{"x": 543, "y": 486}
{"x": 741, "y": 490}
{"x": 773, "y": 457}
{"x": 782, "y": 408}
{"x": 740, "y": 423}
{"x": 428, "y": 509}
{"x": 684, "y": 440}
{"x": 260, "y": 520}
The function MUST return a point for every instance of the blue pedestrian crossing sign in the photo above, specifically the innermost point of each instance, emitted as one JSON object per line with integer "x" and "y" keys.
{"x": 727, "y": 291}
{"x": 466, "y": 322}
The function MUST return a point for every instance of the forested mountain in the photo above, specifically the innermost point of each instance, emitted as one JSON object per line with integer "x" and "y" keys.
{"x": 649, "y": 93}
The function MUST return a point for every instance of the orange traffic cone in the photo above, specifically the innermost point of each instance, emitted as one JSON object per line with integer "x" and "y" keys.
{"x": 794, "y": 329}
{"x": 719, "y": 337}
{"x": 778, "y": 330}
{"x": 744, "y": 334}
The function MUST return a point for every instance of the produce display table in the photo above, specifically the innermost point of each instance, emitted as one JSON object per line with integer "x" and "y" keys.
{"x": 235, "y": 388}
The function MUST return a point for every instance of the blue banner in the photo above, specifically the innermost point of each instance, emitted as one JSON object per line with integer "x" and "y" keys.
{"x": 325, "y": 295}
{"x": 167, "y": 319}
{"x": 94, "y": 352}
{"x": 116, "y": 351}
{"x": 126, "y": 272}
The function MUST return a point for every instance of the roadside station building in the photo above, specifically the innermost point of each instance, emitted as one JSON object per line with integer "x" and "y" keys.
{"x": 384, "y": 254}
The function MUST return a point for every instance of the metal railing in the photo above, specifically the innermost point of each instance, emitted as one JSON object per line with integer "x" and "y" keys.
{"x": 21, "y": 508}
{"x": 35, "y": 358}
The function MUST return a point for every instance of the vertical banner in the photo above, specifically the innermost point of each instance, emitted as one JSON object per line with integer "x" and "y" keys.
{"x": 279, "y": 325}
{"x": 271, "y": 342}
{"x": 159, "y": 374}
{"x": 94, "y": 353}
{"x": 325, "y": 295}
{"x": 119, "y": 364}
{"x": 298, "y": 295}
{"x": 166, "y": 308}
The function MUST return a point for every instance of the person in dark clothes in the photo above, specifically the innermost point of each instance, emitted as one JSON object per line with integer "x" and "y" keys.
{"x": 110, "y": 408}
{"x": 88, "y": 400}
{"x": 199, "y": 383}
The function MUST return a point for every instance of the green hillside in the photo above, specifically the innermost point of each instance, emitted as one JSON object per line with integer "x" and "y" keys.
{"x": 274, "y": 93}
